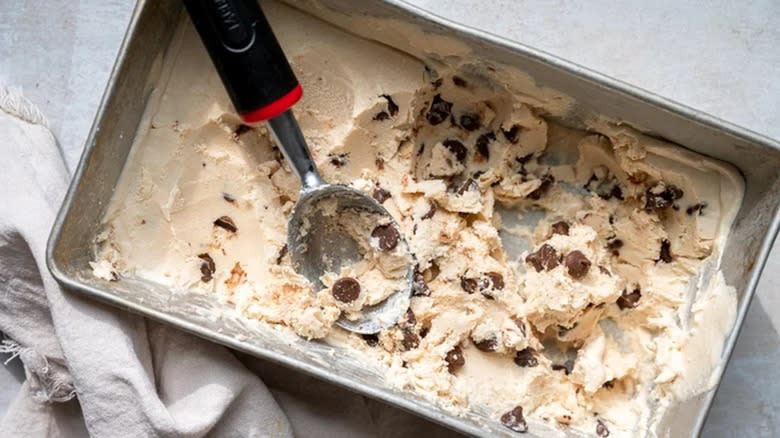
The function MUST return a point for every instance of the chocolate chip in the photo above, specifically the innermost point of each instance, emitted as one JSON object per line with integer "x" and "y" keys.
{"x": 545, "y": 258}
{"x": 526, "y": 358}
{"x": 666, "y": 251}
{"x": 566, "y": 367}
{"x": 380, "y": 163}
{"x": 241, "y": 129}
{"x": 424, "y": 331}
{"x": 439, "y": 111}
{"x": 601, "y": 429}
{"x": 207, "y": 267}
{"x": 346, "y": 289}
{"x": 470, "y": 121}
{"x": 408, "y": 320}
{"x": 392, "y": 107}
{"x": 381, "y": 116}
{"x": 454, "y": 359}
{"x": 410, "y": 339}
{"x": 388, "y": 237}
{"x": 629, "y": 300}
{"x": 496, "y": 280}
{"x": 338, "y": 160}
{"x": 468, "y": 186}
{"x": 614, "y": 192}
{"x": 696, "y": 208}
{"x": 226, "y": 223}
{"x": 381, "y": 195}
{"x": 514, "y": 420}
{"x": 560, "y": 227}
{"x": 487, "y": 345}
{"x": 457, "y": 148}
{"x": 512, "y": 133}
{"x": 282, "y": 253}
{"x": 431, "y": 211}
{"x": 228, "y": 198}
{"x": 614, "y": 246}
{"x": 577, "y": 264}
{"x": 458, "y": 81}
{"x": 372, "y": 340}
{"x": 661, "y": 196}
{"x": 547, "y": 182}
{"x": 419, "y": 285}
{"x": 493, "y": 281}
{"x": 483, "y": 141}
{"x": 534, "y": 259}
{"x": 470, "y": 285}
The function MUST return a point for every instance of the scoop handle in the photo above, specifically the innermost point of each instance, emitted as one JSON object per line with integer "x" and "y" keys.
{"x": 247, "y": 56}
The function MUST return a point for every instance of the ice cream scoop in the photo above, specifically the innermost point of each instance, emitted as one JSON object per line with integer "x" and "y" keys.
{"x": 263, "y": 87}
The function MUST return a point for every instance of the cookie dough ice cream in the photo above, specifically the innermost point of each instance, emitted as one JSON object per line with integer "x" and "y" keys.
{"x": 562, "y": 276}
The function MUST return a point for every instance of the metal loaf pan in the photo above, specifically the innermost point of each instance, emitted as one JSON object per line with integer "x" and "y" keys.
{"x": 133, "y": 78}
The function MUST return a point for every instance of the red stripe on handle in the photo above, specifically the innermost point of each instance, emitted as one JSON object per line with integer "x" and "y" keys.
{"x": 275, "y": 108}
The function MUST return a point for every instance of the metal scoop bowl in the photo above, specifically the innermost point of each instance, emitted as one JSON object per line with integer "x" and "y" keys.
{"x": 316, "y": 246}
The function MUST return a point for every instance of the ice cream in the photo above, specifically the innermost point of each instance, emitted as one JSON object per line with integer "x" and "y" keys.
{"x": 365, "y": 259}
{"x": 563, "y": 275}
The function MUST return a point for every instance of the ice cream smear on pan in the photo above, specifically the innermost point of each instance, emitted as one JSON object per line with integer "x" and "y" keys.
{"x": 563, "y": 276}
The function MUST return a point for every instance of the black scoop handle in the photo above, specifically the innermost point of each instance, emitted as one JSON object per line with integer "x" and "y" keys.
{"x": 247, "y": 55}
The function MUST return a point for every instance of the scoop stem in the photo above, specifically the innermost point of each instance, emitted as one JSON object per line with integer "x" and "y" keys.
{"x": 289, "y": 138}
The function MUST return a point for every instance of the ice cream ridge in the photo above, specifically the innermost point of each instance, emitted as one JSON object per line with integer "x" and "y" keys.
{"x": 560, "y": 273}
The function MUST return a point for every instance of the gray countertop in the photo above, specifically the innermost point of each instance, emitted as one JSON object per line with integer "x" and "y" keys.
{"x": 718, "y": 56}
